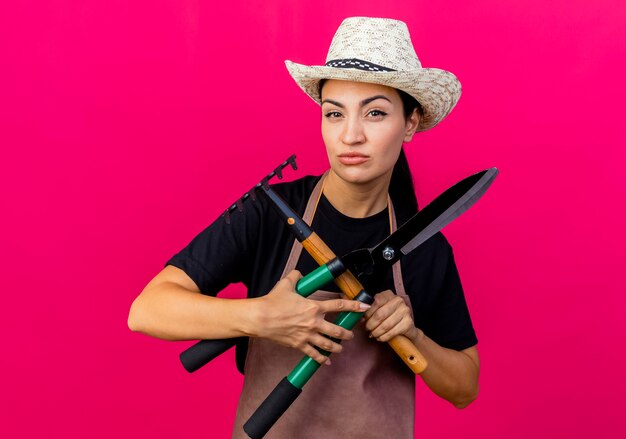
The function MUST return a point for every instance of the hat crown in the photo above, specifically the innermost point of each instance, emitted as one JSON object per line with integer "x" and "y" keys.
{"x": 382, "y": 41}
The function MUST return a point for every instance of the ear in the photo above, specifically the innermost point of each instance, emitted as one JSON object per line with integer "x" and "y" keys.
{"x": 411, "y": 125}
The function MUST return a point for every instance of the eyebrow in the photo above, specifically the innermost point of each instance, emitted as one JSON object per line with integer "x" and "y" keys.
{"x": 363, "y": 103}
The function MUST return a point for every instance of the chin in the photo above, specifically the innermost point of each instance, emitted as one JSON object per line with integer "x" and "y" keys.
{"x": 356, "y": 174}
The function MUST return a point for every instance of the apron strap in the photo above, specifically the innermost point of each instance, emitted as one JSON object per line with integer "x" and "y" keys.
{"x": 396, "y": 268}
{"x": 309, "y": 212}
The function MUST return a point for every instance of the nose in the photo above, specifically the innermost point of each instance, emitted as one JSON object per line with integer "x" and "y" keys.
{"x": 352, "y": 133}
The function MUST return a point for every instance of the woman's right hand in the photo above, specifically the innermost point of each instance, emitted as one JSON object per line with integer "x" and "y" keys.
{"x": 291, "y": 320}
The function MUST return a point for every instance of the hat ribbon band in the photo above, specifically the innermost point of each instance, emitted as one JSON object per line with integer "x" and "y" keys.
{"x": 354, "y": 63}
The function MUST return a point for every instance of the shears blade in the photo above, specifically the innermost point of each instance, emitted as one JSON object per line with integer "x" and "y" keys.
{"x": 368, "y": 265}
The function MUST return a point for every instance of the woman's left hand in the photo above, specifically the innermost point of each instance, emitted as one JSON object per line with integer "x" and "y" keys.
{"x": 451, "y": 374}
{"x": 389, "y": 316}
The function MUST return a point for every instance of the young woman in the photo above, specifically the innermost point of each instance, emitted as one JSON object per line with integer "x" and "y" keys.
{"x": 374, "y": 97}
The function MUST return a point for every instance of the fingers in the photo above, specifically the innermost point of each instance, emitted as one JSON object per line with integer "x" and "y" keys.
{"x": 323, "y": 343}
{"x": 382, "y": 314}
{"x": 338, "y": 305}
{"x": 386, "y": 331}
{"x": 335, "y": 331}
{"x": 388, "y": 317}
{"x": 315, "y": 354}
{"x": 326, "y": 344}
{"x": 287, "y": 285}
{"x": 380, "y": 299}
{"x": 293, "y": 277}
{"x": 317, "y": 342}
{"x": 325, "y": 329}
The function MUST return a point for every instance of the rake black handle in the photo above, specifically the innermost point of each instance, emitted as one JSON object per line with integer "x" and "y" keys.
{"x": 204, "y": 351}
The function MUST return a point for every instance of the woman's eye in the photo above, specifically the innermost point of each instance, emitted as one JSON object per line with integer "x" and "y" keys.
{"x": 332, "y": 114}
{"x": 376, "y": 113}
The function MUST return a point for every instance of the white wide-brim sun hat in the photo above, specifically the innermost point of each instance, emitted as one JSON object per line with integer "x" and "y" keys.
{"x": 380, "y": 51}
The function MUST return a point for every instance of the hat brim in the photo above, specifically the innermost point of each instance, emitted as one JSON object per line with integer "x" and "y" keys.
{"x": 438, "y": 91}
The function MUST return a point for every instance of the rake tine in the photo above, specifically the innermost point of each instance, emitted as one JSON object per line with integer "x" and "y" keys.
{"x": 278, "y": 172}
{"x": 292, "y": 161}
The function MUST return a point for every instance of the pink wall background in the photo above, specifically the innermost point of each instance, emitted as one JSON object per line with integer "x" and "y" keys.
{"x": 126, "y": 128}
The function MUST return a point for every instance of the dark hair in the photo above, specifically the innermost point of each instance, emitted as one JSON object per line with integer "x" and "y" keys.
{"x": 401, "y": 188}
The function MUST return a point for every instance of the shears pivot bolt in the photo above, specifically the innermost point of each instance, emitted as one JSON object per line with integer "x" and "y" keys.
{"x": 388, "y": 253}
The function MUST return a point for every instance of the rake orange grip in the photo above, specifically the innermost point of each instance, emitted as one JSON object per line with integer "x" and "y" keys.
{"x": 351, "y": 286}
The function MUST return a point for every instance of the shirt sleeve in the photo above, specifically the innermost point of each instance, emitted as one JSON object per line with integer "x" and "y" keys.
{"x": 449, "y": 323}
{"x": 221, "y": 253}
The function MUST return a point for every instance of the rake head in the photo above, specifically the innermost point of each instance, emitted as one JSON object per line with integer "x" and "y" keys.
{"x": 251, "y": 194}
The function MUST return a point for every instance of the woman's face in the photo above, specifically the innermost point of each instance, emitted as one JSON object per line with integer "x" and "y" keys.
{"x": 363, "y": 127}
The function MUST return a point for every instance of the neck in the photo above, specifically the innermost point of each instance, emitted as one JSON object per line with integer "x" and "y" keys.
{"x": 357, "y": 200}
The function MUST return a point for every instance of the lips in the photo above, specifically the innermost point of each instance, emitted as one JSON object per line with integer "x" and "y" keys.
{"x": 352, "y": 158}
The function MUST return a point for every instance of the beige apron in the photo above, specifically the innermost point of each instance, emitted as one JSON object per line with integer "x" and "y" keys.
{"x": 367, "y": 392}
